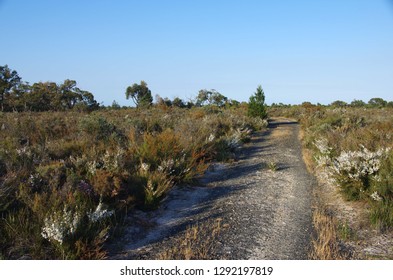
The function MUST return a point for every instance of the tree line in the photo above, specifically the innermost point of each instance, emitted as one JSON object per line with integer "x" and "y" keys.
{"x": 19, "y": 96}
{"x": 16, "y": 95}
{"x": 375, "y": 102}
{"x": 142, "y": 97}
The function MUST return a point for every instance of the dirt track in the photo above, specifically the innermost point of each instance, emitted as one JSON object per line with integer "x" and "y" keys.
{"x": 267, "y": 212}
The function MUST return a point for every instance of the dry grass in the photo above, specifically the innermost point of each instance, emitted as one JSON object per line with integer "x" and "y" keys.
{"x": 198, "y": 242}
{"x": 325, "y": 244}
{"x": 281, "y": 132}
{"x": 326, "y": 240}
{"x": 307, "y": 154}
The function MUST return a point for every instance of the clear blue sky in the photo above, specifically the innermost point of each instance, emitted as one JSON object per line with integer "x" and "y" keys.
{"x": 318, "y": 51}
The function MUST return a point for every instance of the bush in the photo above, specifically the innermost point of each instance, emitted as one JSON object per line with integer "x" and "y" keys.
{"x": 353, "y": 147}
{"x": 382, "y": 195}
{"x": 97, "y": 127}
{"x": 355, "y": 171}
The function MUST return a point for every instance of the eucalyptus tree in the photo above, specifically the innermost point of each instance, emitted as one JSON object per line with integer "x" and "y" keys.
{"x": 9, "y": 79}
{"x": 140, "y": 94}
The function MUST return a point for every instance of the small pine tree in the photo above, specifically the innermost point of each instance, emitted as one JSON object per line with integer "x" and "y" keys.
{"x": 256, "y": 104}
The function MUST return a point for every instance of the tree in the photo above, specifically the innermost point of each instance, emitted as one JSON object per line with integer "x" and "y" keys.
{"x": 9, "y": 79}
{"x": 115, "y": 105}
{"x": 233, "y": 103}
{"x": 256, "y": 104}
{"x": 177, "y": 102}
{"x": 50, "y": 96}
{"x": 88, "y": 103}
{"x": 377, "y": 102}
{"x": 16, "y": 100}
{"x": 140, "y": 94}
{"x": 42, "y": 97}
{"x": 210, "y": 97}
{"x": 69, "y": 95}
{"x": 338, "y": 103}
{"x": 202, "y": 97}
{"x": 358, "y": 103}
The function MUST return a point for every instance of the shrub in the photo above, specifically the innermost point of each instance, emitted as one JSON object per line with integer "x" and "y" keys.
{"x": 354, "y": 148}
{"x": 382, "y": 195}
{"x": 97, "y": 127}
{"x": 354, "y": 171}
{"x": 156, "y": 186}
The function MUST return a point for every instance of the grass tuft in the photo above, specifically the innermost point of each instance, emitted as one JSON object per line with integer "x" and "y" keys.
{"x": 198, "y": 242}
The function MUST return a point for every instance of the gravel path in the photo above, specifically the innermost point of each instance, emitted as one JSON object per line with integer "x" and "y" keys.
{"x": 263, "y": 199}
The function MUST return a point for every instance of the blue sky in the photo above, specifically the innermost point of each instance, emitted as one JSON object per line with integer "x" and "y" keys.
{"x": 318, "y": 51}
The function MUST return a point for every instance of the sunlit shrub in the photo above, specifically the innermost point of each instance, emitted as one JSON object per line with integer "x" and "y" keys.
{"x": 382, "y": 196}
{"x": 105, "y": 183}
{"x": 97, "y": 127}
{"x": 66, "y": 177}
{"x": 353, "y": 147}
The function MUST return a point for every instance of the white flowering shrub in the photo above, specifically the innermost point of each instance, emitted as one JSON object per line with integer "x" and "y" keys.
{"x": 60, "y": 225}
{"x": 323, "y": 157}
{"x": 354, "y": 171}
{"x": 113, "y": 161}
{"x": 168, "y": 166}
{"x": 357, "y": 165}
{"x": 234, "y": 140}
{"x": 100, "y": 213}
{"x": 68, "y": 230}
{"x": 211, "y": 138}
{"x": 375, "y": 196}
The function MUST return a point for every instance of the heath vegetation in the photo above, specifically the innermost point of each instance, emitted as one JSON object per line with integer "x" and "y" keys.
{"x": 352, "y": 147}
{"x": 71, "y": 171}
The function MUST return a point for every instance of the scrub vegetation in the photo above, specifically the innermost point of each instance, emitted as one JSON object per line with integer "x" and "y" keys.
{"x": 351, "y": 149}
{"x": 70, "y": 172}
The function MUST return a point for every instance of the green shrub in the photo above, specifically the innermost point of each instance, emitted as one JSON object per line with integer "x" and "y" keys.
{"x": 97, "y": 127}
{"x": 381, "y": 215}
{"x": 382, "y": 196}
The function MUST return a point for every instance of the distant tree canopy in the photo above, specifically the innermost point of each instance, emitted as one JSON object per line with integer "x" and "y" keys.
{"x": 16, "y": 95}
{"x": 210, "y": 97}
{"x": 357, "y": 103}
{"x": 9, "y": 80}
{"x": 140, "y": 94}
{"x": 377, "y": 102}
{"x": 338, "y": 103}
{"x": 176, "y": 102}
{"x": 256, "y": 104}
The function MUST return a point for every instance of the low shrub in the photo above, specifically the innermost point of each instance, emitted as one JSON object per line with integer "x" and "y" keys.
{"x": 353, "y": 147}
{"x": 67, "y": 178}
